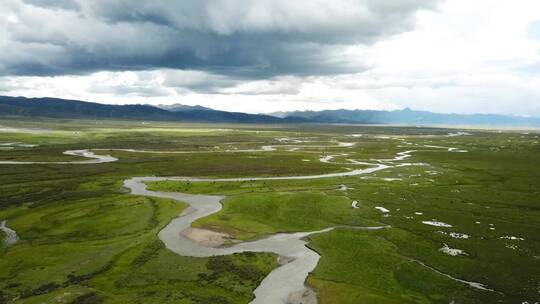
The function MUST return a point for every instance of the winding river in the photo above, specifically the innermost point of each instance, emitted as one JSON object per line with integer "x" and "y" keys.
{"x": 11, "y": 235}
{"x": 283, "y": 283}
{"x": 92, "y": 159}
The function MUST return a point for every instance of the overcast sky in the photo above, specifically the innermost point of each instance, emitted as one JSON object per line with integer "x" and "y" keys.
{"x": 272, "y": 55}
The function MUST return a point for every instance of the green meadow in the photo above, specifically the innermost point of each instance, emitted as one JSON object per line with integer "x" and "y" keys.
{"x": 85, "y": 239}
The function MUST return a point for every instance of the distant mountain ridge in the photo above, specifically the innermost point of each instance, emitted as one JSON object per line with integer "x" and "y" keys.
{"x": 72, "y": 109}
{"x": 61, "y": 108}
{"x": 177, "y": 107}
{"x": 408, "y": 117}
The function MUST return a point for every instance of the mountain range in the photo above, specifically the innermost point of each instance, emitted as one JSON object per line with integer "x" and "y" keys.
{"x": 72, "y": 109}
{"x": 409, "y": 117}
{"x": 62, "y": 108}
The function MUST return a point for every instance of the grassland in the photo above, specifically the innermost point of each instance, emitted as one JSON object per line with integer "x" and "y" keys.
{"x": 84, "y": 240}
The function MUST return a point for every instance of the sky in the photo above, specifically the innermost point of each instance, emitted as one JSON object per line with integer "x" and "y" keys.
{"x": 262, "y": 56}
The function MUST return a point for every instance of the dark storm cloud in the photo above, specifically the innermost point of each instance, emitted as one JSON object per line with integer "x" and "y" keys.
{"x": 243, "y": 39}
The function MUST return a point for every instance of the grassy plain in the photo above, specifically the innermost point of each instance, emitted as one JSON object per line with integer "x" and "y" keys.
{"x": 85, "y": 240}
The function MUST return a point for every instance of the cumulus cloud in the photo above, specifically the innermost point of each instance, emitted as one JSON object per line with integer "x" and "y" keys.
{"x": 254, "y": 39}
{"x": 54, "y": 4}
{"x": 270, "y": 55}
{"x": 287, "y": 85}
